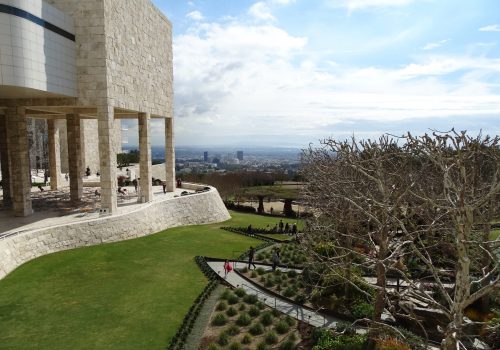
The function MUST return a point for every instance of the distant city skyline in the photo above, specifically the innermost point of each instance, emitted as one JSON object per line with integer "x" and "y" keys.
{"x": 290, "y": 72}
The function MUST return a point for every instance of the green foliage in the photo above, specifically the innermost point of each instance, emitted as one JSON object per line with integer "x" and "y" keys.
{"x": 253, "y": 274}
{"x": 282, "y": 327}
{"x": 213, "y": 347}
{"x": 269, "y": 283}
{"x": 292, "y": 274}
{"x": 271, "y": 338}
{"x": 233, "y": 330}
{"x": 231, "y": 312}
{"x": 328, "y": 341}
{"x": 124, "y": 159}
{"x": 266, "y": 318}
{"x": 247, "y": 339}
{"x": 221, "y": 306}
{"x": 244, "y": 270}
{"x": 290, "y": 320}
{"x": 276, "y": 313}
{"x": 361, "y": 309}
{"x": 219, "y": 320}
{"x": 260, "y": 271}
{"x": 240, "y": 292}
{"x": 244, "y": 319}
{"x": 288, "y": 345}
{"x": 235, "y": 346}
{"x": 262, "y": 346}
{"x": 254, "y": 311}
{"x": 300, "y": 299}
{"x": 223, "y": 339}
{"x": 260, "y": 305}
{"x": 289, "y": 292}
{"x": 242, "y": 307}
{"x": 232, "y": 299}
{"x": 250, "y": 299}
{"x": 256, "y": 329}
{"x": 225, "y": 294}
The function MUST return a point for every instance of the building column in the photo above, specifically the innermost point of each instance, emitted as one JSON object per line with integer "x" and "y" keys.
{"x": 74, "y": 157}
{"x": 107, "y": 158}
{"x": 54, "y": 155}
{"x": 17, "y": 143}
{"x": 5, "y": 163}
{"x": 170, "y": 154}
{"x": 146, "y": 182}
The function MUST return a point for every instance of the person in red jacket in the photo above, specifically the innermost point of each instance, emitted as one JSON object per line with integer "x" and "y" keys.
{"x": 227, "y": 268}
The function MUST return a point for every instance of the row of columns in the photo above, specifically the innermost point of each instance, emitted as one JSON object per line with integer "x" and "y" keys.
{"x": 16, "y": 174}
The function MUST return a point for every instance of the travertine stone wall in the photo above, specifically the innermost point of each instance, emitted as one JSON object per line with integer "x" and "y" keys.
{"x": 124, "y": 54}
{"x": 195, "y": 209}
{"x": 54, "y": 155}
{"x": 74, "y": 157}
{"x": 90, "y": 145}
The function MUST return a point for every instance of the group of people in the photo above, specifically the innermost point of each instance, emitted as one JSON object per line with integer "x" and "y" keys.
{"x": 275, "y": 259}
{"x": 283, "y": 228}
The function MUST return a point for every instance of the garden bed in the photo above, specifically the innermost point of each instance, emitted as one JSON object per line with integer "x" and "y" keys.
{"x": 241, "y": 321}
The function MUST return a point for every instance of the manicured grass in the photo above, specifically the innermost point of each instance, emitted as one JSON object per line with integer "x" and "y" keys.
{"x": 125, "y": 295}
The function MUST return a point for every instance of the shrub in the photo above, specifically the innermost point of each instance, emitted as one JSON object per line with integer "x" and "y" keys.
{"x": 282, "y": 327}
{"x": 233, "y": 330}
{"x": 269, "y": 283}
{"x": 213, "y": 347}
{"x": 232, "y": 299}
{"x": 278, "y": 279}
{"x": 244, "y": 270}
{"x": 391, "y": 344}
{"x": 292, "y": 337}
{"x": 254, "y": 311}
{"x": 256, "y": 329}
{"x": 260, "y": 256}
{"x": 266, "y": 318}
{"x": 240, "y": 292}
{"x": 271, "y": 338}
{"x": 290, "y": 321}
{"x": 225, "y": 294}
{"x": 260, "y": 271}
{"x": 231, "y": 312}
{"x": 262, "y": 346}
{"x": 361, "y": 309}
{"x": 260, "y": 305}
{"x": 278, "y": 288}
{"x": 262, "y": 279}
{"x": 341, "y": 342}
{"x": 247, "y": 339}
{"x": 221, "y": 306}
{"x": 300, "y": 299}
{"x": 253, "y": 274}
{"x": 288, "y": 345}
{"x": 244, "y": 319}
{"x": 242, "y": 307}
{"x": 276, "y": 313}
{"x": 223, "y": 339}
{"x": 289, "y": 292}
{"x": 250, "y": 299}
{"x": 235, "y": 346}
{"x": 219, "y": 320}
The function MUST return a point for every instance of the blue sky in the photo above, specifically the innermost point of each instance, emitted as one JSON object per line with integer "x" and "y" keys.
{"x": 290, "y": 72}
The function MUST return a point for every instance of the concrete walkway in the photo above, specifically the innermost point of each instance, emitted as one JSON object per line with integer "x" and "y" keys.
{"x": 298, "y": 312}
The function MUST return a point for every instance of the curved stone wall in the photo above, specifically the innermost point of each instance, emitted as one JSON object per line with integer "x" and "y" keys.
{"x": 195, "y": 209}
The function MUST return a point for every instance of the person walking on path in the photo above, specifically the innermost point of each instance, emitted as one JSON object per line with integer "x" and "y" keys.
{"x": 287, "y": 228}
{"x": 227, "y": 268}
{"x": 281, "y": 226}
{"x": 294, "y": 229}
{"x": 251, "y": 254}
{"x": 250, "y": 229}
{"x": 275, "y": 258}
{"x": 164, "y": 184}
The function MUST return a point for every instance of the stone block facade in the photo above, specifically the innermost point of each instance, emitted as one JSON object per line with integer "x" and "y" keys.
{"x": 195, "y": 209}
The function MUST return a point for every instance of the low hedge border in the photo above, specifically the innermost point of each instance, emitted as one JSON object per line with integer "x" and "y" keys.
{"x": 254, "y": 235}
{"x": 179, "y": 339}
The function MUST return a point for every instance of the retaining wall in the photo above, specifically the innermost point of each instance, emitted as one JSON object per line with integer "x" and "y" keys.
{"x": 195, "y": 209}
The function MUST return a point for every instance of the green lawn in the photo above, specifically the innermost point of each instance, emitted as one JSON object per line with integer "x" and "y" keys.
{"x": 125, "y": 295}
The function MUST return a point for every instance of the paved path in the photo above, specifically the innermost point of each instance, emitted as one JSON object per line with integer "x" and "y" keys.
{"x": 280, "y": 304}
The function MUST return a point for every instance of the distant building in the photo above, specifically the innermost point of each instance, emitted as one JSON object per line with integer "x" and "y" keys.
{"x": 239, "y": 155}
{"x": 205, "y": 157}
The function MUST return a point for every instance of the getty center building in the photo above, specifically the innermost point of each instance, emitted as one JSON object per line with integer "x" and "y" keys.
{"x": 82, "y": 65}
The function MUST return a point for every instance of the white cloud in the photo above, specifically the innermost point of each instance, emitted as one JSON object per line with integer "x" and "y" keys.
{"x": 353, "y": 5}
{"x": 261, "y": 11}
{"x": 490, "y": 28}
{"x": 282, "y": 2}
{"x": 435, "y": 45}
{"x": 236, "y": 80}
{"x": 195, "y": 15}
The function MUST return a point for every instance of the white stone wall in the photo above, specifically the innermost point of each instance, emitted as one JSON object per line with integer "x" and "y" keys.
{"x": 34, "y": 57}
{"x": 194, "y": 209}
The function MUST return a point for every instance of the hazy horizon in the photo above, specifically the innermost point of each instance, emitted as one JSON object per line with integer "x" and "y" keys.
{"x": 290, "y": 72}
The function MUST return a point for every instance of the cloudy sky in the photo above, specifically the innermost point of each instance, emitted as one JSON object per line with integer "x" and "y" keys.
{"x": 289, "y": 72}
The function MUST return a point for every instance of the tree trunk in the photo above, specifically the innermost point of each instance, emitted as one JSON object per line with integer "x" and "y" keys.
{"x": 260, "y": 209}
{"x": 287, "y": 208}
{"x": 486, "y": 262}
